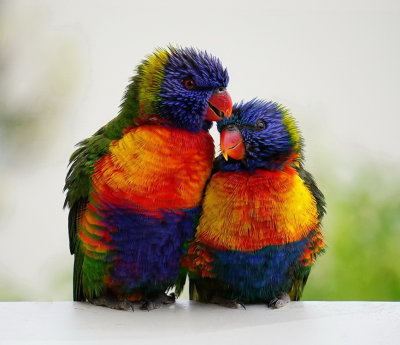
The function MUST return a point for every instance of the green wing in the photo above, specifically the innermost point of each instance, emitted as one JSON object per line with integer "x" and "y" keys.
{"x": 78, "y": 181}
{"x": 78, "y": 186}
{"x": 301, "y": 272}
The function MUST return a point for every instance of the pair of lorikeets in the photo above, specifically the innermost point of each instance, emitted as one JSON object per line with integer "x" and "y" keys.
{"x": 150, "y": 205}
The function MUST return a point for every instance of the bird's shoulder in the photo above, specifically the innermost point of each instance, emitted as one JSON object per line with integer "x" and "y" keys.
{"x": 311, "y": 185}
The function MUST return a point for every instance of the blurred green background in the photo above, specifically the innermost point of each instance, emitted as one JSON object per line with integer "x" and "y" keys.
{"x": 363, "y": 238}
{"x": 63, "y": 69}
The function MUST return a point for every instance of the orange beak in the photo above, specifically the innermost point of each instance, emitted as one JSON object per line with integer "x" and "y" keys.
{"x": 219, "y": 106}
{"x": 232, "y": 145}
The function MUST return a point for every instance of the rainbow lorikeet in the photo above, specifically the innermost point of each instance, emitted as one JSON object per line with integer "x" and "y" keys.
{"x": 259, "y": 232}
{"x": 134, "y": 187}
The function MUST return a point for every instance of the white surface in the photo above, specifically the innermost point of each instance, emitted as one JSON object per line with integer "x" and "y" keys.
{"x": 193, "y": 323}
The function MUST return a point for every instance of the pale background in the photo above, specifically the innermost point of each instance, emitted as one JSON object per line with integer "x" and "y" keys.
{"x": 63, "y": 69}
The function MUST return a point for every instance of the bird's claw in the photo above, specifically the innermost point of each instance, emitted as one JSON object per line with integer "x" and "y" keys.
{"x": 241, "y": 304}
{"x": 228, "y": 303}
{"x": 112, "y": 303}
{"x": 279, "y": 302}
{"x": 157, "y": 301}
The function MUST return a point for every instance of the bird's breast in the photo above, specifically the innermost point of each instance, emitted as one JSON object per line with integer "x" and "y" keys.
{"x": 155, "y": 167}
{"x": 243, "y": 211}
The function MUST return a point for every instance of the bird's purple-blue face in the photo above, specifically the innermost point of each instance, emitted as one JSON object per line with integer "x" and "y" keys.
{"x": 193, "y": 90}
{"x": 259, "y": 134}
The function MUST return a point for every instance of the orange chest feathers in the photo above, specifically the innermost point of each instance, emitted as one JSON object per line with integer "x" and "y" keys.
{"x": 243, "y": 211}
{"x": 155, "y": 167}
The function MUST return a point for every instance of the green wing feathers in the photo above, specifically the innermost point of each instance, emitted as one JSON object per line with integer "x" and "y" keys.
{"x": 78, "y": 186}
{"x": 301, "y": 274}
{"x": 316, "y": 247}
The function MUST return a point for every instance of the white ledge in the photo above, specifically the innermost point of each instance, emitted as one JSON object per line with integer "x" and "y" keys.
{"x": 194, "y": 323}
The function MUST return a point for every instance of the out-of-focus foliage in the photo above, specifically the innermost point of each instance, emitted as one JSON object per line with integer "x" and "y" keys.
{"x": 363, "y": 237}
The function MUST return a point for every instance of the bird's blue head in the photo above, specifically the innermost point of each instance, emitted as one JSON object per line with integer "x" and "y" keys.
{"x": 259, "y": 134}
{"x": 185, "y": 87}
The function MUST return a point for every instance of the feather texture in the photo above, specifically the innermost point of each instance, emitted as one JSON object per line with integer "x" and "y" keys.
{"x": 134, "y": 188}
{"x": 134, "y": 228}
{"x": 259, "y": 232}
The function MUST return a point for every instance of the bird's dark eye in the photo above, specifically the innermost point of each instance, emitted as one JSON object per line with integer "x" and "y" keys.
{"x": 189, "y": 84}
{"x": 260, "y": 125}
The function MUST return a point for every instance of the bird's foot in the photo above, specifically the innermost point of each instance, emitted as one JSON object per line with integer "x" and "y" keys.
{"x": 157, "y": 301}
{"x": 279, "y": 302}
{"x": 228, "y": 303}
{"x": 112, "y": 303}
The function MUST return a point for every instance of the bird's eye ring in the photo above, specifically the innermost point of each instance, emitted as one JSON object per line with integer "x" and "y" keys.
{"x": 189, "y": 84}
{"x": 260, "y": 125}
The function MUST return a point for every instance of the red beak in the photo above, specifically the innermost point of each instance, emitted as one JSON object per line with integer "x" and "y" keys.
{"x": 219, "y": 106}
{"x": 232, "y": 144}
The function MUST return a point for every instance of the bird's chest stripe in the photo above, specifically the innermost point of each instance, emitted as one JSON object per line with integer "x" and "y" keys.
{"x": 261, "y": 274}
{"x": 244, "y": 211}
{"x": 154, "y": 167}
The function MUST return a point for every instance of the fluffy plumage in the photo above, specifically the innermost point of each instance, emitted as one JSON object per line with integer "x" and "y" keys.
{"x": 259, "y": 233}
{"x": 135, "y": 186}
